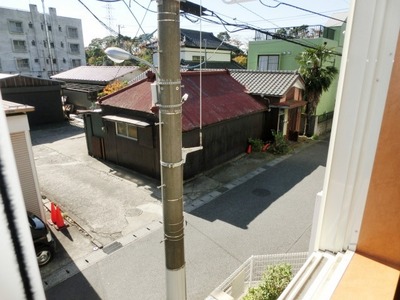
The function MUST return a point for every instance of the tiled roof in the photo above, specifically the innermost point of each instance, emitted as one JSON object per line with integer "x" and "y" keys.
{"x": 96, "y": 74}
{"x": 223, "y": 98}
{"x": 269, "y": 83}
{"x": 191, "y": 38}
{"x": 222, "y": 65}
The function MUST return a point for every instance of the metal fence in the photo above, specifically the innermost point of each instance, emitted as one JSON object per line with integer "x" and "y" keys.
{"x": 296, "y": 32}
{"x": 250, "y": 273}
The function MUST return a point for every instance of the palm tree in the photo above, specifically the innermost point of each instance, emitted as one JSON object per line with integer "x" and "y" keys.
{"x": 317, "y": 77}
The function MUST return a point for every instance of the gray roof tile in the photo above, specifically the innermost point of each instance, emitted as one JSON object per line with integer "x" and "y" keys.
{"x": 269, "y": 83}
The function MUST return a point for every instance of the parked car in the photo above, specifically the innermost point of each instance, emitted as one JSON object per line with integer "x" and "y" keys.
{"x": 42, "y": 239}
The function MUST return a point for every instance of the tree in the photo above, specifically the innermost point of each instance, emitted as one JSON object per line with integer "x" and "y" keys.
{"x": 317, "y": 76}
{"x": 112, "y": 88}
{"x": 241, "y": 60}
{"x": 95, "y": 51}
{"x": 224, "y": 36}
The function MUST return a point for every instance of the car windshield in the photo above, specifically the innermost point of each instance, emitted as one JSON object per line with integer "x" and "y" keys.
{"x": 35, "y": 222}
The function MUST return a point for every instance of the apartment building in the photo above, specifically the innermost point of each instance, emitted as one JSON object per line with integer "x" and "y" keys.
{"x": 39, "y": 44}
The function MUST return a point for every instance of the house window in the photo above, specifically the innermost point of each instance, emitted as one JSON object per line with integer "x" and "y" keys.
{"x": 72, "y": 32}
{"x": 126, "y": 130}
{"x": 54, "y": 61}
{"x": 59, "y": 28}
{"x": 30, "y": 25}
{"x": 74, "y": 48}
{"x": 64, "y": 60}
{"x": 62, "y": 45}
{"x": 197, "y": 58}
{"x": 76, "y": 62}
{"x": 33, "y": 43}
{"x": 19, "y": 46}
{"x": 36, "y": 60}
{"x": 15, "y": 27}
{"x": 51, "y": 44}
{"x": 268, "y": 62}
{"x": 23, "y": 63}
{"x": 49, "y": 27}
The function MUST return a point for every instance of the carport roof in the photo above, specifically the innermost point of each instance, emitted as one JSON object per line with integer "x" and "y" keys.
{"x": 222, "y": 98}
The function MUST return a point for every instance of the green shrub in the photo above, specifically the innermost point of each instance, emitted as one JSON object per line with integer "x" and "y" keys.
{"x": 280, "y": 144}
{"x": 275, "y": 280}
{"x": 256, "y": 144}
{"x": 315, "y": 137}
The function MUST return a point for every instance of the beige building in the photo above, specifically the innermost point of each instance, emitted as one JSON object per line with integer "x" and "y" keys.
{"x": 37, "y": 44}
{"x": 17, "y": 121}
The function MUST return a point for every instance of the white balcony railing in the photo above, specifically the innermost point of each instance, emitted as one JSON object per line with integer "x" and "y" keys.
{"x": 250, "y": 273}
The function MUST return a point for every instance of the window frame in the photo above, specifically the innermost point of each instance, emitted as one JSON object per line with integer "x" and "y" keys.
{"x": 125, "y": 132}
{"x": 74, "y": 62}
{"x": 19, "y": 48}
{"x": 10, "y": 29}
{"x": 72, "y": 32}
{"x": 73, "y": 51}
{"x": 198, "y": 58}
{"x": 27, "y": 65}
{"x": 268, "y": 63}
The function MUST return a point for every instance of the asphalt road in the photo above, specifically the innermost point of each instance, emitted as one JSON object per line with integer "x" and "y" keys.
{"x": 271, "y": 213}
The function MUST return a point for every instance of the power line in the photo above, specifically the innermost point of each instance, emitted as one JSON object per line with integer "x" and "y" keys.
{"x": 147, "y": 9}
{"x": 300, "y": 8}
{"x": 133, "y": 15}
{"x": 241, "y": 5}
{"x": 242, "y": 27}
{"x": 100, "y": 21}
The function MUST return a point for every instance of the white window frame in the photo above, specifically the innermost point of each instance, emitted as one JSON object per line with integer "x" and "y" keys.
{"x": 125, "y": 132}
{"x": 360, "y": 102}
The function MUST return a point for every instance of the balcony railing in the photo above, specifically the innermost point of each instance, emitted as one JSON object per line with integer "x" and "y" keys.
{"x": 250, "y": 273}
{"x": 299, "y": 32}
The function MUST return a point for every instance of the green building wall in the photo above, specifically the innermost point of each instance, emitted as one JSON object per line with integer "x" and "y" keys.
{"x": 288, "y": 52}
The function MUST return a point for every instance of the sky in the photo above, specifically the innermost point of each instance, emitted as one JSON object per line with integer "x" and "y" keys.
{"x": 135, "y": 17}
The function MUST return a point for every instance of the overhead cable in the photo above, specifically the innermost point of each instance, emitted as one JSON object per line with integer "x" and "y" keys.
{"x": 208, "y": 13}
{"x": 100, "y": 21}
{"x": 300, "y": 8}
{"x": 133, "y": 15}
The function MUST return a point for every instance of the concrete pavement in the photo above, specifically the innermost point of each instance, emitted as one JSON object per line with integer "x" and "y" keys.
{"x": 108, "y": 206}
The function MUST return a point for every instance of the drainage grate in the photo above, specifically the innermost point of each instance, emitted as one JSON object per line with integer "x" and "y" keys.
{"x": 261, "y": 192}
{"x": 112, "y": 247}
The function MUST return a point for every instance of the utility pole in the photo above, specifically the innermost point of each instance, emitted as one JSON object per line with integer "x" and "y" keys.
{"x": 171, "y": 162}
